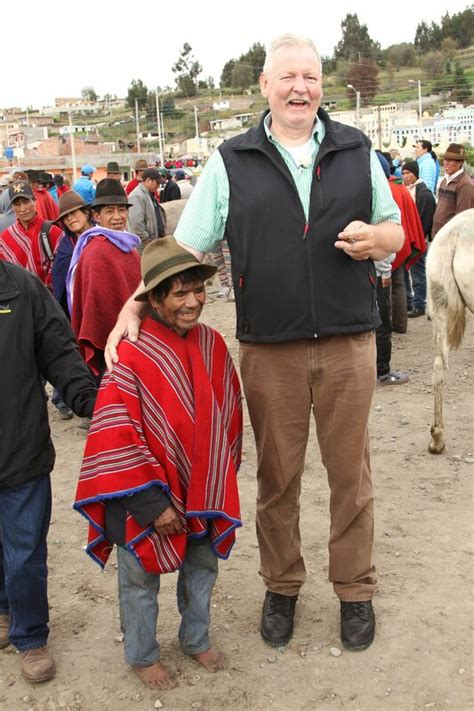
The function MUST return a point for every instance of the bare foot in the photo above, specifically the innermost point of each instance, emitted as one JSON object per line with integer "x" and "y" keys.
{"x": 211, "y": 659}
{"x": 155, "y": 676}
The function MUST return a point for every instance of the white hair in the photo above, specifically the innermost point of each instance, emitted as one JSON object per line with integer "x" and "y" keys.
{"x": 288, "y": 40}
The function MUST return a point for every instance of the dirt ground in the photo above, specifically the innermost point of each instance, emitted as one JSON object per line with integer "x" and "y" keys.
{"x": 422, "y": 655}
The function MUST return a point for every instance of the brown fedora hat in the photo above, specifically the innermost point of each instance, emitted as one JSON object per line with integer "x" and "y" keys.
{"x": 68, "y": 202}
{"x": 163, "y": 258}
{"x": 455, "y": 151}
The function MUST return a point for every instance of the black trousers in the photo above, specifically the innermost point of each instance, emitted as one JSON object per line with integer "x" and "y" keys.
{"x": 384, "y": 331}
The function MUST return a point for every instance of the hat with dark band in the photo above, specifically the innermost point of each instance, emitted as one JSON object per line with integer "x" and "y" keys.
{"x": 455, "y": 152}
{"x": 110, "y": 192}
{"x": 113, "y": 167}
{"x": 163, "y": 258}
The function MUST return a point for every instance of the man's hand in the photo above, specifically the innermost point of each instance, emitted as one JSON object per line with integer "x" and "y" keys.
{"x": 128, "y": 324}
{"x": 386, "y": 281}
{"x": 362, "y": 241}
{"x": 357, "y": 240}
{"x": 168, "y": 522}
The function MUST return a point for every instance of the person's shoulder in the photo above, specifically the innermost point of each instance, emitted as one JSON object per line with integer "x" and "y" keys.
{"x": 19, "y": 277}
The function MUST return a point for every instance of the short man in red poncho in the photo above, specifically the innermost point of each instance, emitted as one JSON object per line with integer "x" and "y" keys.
{"x": 159, "y": 476}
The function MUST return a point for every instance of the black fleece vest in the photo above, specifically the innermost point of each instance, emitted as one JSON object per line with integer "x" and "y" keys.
{"x": 290, "y": 281}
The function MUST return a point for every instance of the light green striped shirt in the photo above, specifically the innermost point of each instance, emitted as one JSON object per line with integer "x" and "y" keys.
{"x": 202, "y": 224}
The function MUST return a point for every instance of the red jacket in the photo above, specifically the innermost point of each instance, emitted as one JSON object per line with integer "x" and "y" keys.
{"x": 414, "y": 244}
{"x": 46, "y": 206}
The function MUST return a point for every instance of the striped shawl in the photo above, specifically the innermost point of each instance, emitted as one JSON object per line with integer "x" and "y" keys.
{"x": 170, "y": 415}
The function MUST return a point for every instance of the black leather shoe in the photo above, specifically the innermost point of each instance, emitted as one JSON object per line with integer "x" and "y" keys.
{"x": 357, "y": 625}
{"x": 277, "y": 618}
{"x": 414, "y": 313}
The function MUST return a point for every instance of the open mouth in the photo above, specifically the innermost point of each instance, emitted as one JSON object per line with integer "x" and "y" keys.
{"x": 298, "y": 103}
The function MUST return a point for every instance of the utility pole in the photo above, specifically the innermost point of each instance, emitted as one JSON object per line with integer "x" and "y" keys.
{"x": 197, "y": 131}
{"x": 379, "y": 127}
{"x": 73, "y": 148}
{"x": 138, "y": 126}
{"x": 158, "y": 123}
{"x": 196, "y": 121}
{"x": 357, "y": 93}
{"x": 420, "y": 108}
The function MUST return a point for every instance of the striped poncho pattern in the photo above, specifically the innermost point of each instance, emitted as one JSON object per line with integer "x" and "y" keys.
{"x": 169, "y": 415}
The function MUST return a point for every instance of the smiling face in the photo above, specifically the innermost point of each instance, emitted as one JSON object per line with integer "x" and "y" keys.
{"x": 293, "y": 87}
{"x": 181, "y": 308}
{"x": 113, "y": 217}
{"x": 77, "y": 221}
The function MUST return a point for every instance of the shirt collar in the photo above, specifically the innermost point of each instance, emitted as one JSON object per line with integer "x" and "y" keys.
{"x": 454, "y": 175}
{"x": 317, "y": 129}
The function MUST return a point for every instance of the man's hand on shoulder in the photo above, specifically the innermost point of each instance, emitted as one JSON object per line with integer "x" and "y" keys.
{"x": 168, "y": 522}
{"x": 128, "y": 324}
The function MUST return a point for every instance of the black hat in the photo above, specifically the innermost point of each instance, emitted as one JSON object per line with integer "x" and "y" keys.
{"x": 113, "y": 167}
{"x": 152, "y": 173}
{"x": 412, "y": 167}
{"x": 110, "y": 192}
{"x": 21, "y": 189}
{"x": 46, "y": 178}
{"x": 33, "y": 176}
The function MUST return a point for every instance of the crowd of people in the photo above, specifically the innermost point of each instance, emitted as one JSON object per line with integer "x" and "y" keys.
{"x": 321, "y": 241}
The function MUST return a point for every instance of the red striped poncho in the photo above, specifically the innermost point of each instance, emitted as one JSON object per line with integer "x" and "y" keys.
{"x": 22, "y": 246}
{"x": 170, "y": 415}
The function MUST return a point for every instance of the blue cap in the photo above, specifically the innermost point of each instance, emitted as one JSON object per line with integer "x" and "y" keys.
{"x": 87, "y": 169}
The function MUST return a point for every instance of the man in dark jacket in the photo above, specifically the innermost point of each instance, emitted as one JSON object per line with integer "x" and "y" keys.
{"x": 426, "y": 205}
{"x": 36, "y": 342}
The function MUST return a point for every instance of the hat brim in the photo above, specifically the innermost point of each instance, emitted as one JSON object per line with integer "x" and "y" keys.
{"x": 25, "y": 196}
{"x": 454, "y": 156}
{"x": 112, "y": 200}
{"x": 180, "y": 266}
{"x": 69, "y": 210}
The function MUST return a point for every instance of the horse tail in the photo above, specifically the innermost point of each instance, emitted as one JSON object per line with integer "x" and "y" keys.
{"x": 456, "y": 316}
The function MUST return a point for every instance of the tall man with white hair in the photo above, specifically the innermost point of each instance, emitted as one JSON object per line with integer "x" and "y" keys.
{"x": 305, "y": 208}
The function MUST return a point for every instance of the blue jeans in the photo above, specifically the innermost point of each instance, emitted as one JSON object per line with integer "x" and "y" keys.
{"x": 418, "y": 278}
{"x": 138, "y": 600}
{"x": 25, "y": 514}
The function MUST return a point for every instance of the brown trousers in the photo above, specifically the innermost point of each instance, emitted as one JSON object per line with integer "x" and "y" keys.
{"x": 335, "y": 377}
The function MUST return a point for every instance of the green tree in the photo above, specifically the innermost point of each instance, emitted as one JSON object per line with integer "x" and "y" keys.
{"x": 364, "y": 78}
{"x": 400, "y": 55}
{"x": 226, "y": 76}
{"x": 433, "y": 64}
{"x": 88, "y": 94}
{"x": 139, "y": 92}
{"x": 462, "y": 90}
{"x": 242, "y": 76}
{"x": 459, "y": 27}
{"x": 356, "y": 42}
{"x": 254, "y": 58}
{"x": 187, "y": 70}
{"x": 427, "y": 37}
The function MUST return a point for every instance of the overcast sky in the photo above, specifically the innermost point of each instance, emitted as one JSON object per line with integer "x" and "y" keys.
{"x": 56, "y": 47}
